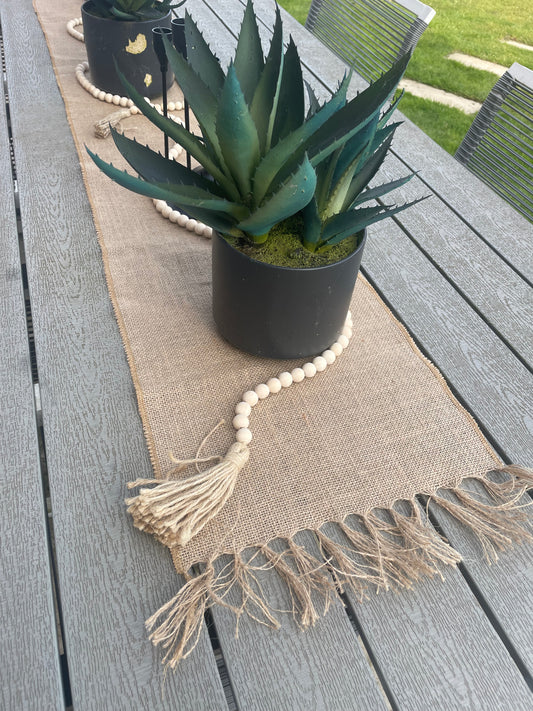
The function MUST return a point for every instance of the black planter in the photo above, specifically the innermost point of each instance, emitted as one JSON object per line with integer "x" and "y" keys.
{"x": 280, "y": 312}
{"x": 122, "y": 39}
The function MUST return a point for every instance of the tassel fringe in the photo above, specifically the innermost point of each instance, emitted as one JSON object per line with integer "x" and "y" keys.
{"x": 175, "y": 510}
{"x": 102, "y": 128}
{"x": 380, "y": 550}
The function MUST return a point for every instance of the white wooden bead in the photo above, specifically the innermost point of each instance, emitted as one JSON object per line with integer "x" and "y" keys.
{"x": 274, "y": 385}
{"x": 347, "y": 331}
{"x": 174, "y": 216}
{"x": 320, "y": 363}
{"x": 159, "y": 205}
{"x": 208, "y": 231}
{"x": 285, "y": 379}
{"x": 199, "y": 228}
{"x": 95, "y": 92}
{"x": 297, "y": 375}
{"x": 343, "y": 341}
{"x": 134, "y": 110}
{"x": 336, "y": 348}
{"x": 309, "y": 369}
{"x": 123, "y": 101}
{"x": 109, "y": 98}
{"x": 262, "y": 391}
{"x": 349, "y": 315}
{"x": 130, "y": 103}
{"x": 243, "y": 408}
{"x": 329, "y": 356}
{"x": 166, "y": 211}
{"x": 171, "y": 106}
{"x": 191, "y": 225}
{"x": 182, "y": 220}
{"x": 116, "y": 99}
{"x": 240, "y": 421}
{"x": 250, "y": 396}
{"x": 243, "y": 435}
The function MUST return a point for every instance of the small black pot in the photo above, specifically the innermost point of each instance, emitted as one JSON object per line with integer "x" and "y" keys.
{"x": 106, "y": 39}
{"x": 280, "y": 312}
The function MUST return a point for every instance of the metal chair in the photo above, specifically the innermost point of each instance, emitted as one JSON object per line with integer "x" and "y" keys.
{"x": 370, "y": 35}
{"x": 498, "y": 147}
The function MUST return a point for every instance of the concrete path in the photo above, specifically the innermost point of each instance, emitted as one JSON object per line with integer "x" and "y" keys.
{"x": 477, "y": 63}
{"x": 424, "y": 91}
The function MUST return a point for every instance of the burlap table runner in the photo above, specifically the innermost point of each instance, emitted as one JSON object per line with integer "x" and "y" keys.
{"x": 378, "y": 426}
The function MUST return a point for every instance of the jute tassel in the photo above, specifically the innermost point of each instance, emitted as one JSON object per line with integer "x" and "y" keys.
{"x": 300, "y": 586}
{"x": 499, "y": 523}
{"x": 175, "y": 510}
{"x": 102, "y": 128}
{"x": 177, "y": 625}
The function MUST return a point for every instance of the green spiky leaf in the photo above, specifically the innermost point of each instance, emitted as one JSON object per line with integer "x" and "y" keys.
{"x": 356, "y": 114}
{"x": 291, "y": 104}
{"x": 201, "y": 99}
{"x": 291, "y": 197}
{"x": 366, "y": 172}
{"x": 154, "y": 167}
{"x": 282, "y": 159}
{"x": 237, "y": 133}
{"x": 249, "y": 60}
{"x": 266, "y": 95}
{"x": 202, "y": 60}
{"x": 314, "y": 104}
{"x": 312, "y": 225}
{"x": 349, "y": 223}
{"x": 380, "y": 190}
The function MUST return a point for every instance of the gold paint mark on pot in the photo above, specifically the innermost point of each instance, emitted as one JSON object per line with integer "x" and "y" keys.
{"x": 148, "y": 79}
{"x": 138, "y": 45}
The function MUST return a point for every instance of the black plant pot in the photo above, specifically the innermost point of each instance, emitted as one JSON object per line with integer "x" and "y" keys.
{"x": 130, "y": 43}
{"x": 280, "y": 312}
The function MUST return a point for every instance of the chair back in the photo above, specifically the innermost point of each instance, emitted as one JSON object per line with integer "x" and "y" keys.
{"x": 370, "y": 35}
{"x": 498, "y": 146}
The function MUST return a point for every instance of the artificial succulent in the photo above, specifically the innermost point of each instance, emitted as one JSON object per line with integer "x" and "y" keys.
{"x": 264, "y": 157}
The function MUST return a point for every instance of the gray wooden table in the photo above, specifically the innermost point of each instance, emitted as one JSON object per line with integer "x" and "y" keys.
{"x": 77, "y": 581}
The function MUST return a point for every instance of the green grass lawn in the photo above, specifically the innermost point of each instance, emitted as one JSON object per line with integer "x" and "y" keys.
{"x": 473, "y": 27}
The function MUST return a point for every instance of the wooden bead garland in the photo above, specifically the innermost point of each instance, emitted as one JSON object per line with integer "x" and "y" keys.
{"x": 73, "y": 32}
{"x": 123, "y": 101}
{"x": 175, "y": 510}
{"x": 284, "y": 380}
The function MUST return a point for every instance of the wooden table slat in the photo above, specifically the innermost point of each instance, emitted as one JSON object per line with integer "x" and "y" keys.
{"x": 30, "y": 676}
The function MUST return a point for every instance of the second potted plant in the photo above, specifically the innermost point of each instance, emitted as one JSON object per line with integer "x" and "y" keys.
{"x": 121, "y": 30}
{"x": 284, "y": 186}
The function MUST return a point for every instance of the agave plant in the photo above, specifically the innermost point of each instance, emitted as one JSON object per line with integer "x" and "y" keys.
{"x": 133, "y": 9}
{"x": 266, "y": 158}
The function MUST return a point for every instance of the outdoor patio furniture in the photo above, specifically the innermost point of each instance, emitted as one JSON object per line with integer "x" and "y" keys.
{"x": 78, "y": 581}
{"x": 369, "y": 34}
{"x": 498, "y": 146}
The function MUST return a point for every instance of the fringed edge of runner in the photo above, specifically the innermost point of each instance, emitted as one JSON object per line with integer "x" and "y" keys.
{"x": 382, "y": 549}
